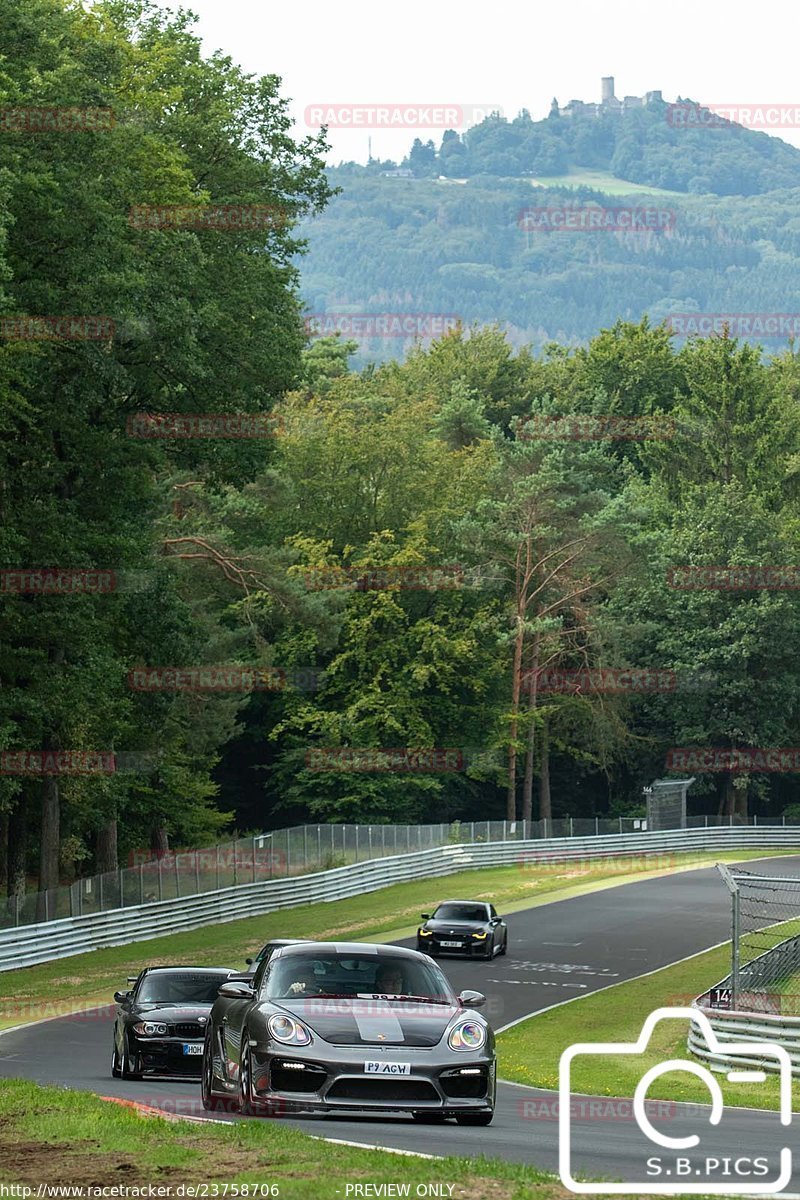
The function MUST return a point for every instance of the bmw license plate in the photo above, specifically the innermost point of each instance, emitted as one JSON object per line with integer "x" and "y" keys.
{"x": 453, "y": 945}
{"x": 192, "y": 1048}
{"x": 387, "y": 1068}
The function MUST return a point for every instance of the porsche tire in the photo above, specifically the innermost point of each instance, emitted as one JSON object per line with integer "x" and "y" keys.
{"x": 480, "y": 1118}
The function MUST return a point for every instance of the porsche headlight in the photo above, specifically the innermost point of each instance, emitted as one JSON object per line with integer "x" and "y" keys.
{"x": 424, "y": 932}
{"x": 150, "y": 1029}
{"x": 480, "y": 936}
{"x": 467, "y": 1035}
{"x": 288, "y": 1031}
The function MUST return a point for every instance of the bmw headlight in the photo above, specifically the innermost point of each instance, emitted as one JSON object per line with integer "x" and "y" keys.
{"x": 150, "y": 1029}
{"x": 288, "y": 1031}
{"x": 424, "y": 932}
{"x": 480, "y": 936}
{"x": 467, "y": 1035}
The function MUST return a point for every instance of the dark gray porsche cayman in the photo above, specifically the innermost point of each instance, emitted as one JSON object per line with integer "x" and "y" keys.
{"x": 342, "y": 1027}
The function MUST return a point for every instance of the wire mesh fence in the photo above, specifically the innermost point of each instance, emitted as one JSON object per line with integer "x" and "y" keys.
{"x": 285, "y": 852}
{"x": 765, "y": 945}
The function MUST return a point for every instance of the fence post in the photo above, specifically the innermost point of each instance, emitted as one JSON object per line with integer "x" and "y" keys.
{"x": 305, "y": 848}
{"x": 119, "y": 885}
{"x": 197, "y": 871}
{"x": 177, "y": 876}
{"x": 620, "y": 824}
{"x": 596, "y": 826}
{"x": 733, "y": 888}
{"x": 383, "y": 840}
{"x": 47, "y": 904}
{"x": 369, "y": 832}
{"x": 571, "y": 827}
{"x": 141, "y": 887}
{"x": 217, "y": 866}
{"x": 235, "y": 857}
{"x": 100, "y": 900}
{"x": 319, "y": 846}
{"x": 357, "y": 846}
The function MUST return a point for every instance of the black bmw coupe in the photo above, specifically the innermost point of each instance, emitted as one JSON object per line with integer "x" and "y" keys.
{"x": 161, "y": 1022}
{"x": 464, "y": 927}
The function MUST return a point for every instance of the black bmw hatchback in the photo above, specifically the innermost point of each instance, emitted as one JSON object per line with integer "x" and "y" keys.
{"x": 465, "y": 927}
{"x": 161, "y": 1022}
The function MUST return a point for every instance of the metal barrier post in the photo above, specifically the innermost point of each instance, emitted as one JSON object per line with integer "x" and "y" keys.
{"x": 733, "y": 888}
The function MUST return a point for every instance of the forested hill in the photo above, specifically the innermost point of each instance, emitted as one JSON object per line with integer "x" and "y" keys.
{"x": 439, "y": 246}
{"x": 680, "y": 146}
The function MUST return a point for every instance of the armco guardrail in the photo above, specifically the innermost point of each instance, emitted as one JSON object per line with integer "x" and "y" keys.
{"x": 734, "y": 1026}
{"x": 30, "y": 944}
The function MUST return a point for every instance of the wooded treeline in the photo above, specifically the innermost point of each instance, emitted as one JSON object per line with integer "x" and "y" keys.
{"x": 561, "y": 547}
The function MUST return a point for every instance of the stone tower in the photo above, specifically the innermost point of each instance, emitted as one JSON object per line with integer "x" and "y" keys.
{"x": 608, "y": 88}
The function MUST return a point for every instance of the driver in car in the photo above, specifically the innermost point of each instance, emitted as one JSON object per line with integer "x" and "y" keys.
{"x": 389, "y": 981}
{"x": 305, "y": 983}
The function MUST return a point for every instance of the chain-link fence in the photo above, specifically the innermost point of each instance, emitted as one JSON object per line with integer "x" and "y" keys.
{"x": 284, "y": 852}
{"x": 765, "y": 945}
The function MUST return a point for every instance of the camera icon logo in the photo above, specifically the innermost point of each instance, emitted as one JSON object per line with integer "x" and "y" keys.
{"x": 699, "y": 1171}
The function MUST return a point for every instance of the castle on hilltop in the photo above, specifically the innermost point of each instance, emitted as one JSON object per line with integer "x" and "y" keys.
{"x": 608, "y": 103}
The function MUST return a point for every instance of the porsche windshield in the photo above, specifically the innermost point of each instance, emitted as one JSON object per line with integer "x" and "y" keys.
{"x": 345, "y": 975}
{"x": 179, "y": 987}
{"x": 461, "y": 912}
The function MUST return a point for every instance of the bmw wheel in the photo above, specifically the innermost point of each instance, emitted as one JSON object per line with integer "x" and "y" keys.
{"x": 116, "y": 1069}
{"x": 130, "y": 1067}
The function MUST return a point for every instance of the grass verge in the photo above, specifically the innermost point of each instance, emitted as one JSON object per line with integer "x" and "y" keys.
{"x": 54, "y": 1137}
{"x": 530, "y": 1052}
{"x": 63, "y": 985}
{"x": 51, "y": 1135}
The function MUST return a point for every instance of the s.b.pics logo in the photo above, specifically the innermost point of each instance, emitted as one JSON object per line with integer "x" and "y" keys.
{"x": 708, "y": 1149}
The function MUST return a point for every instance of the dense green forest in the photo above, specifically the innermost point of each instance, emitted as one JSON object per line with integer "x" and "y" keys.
{"x": 474, "y": 550}
{"x": 679, "y": 146}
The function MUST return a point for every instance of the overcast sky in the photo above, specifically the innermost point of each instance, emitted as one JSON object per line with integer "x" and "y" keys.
{"x": 504, "y": 55}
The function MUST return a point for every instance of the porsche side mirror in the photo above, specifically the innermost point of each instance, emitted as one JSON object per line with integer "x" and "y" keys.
{"x": 237, "y": 991}
{"x": 425, "y": 916}
{"x": 470, "y": 999}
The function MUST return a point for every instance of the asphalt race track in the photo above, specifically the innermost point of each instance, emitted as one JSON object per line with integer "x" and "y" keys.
{"x": 556, "y": 952}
